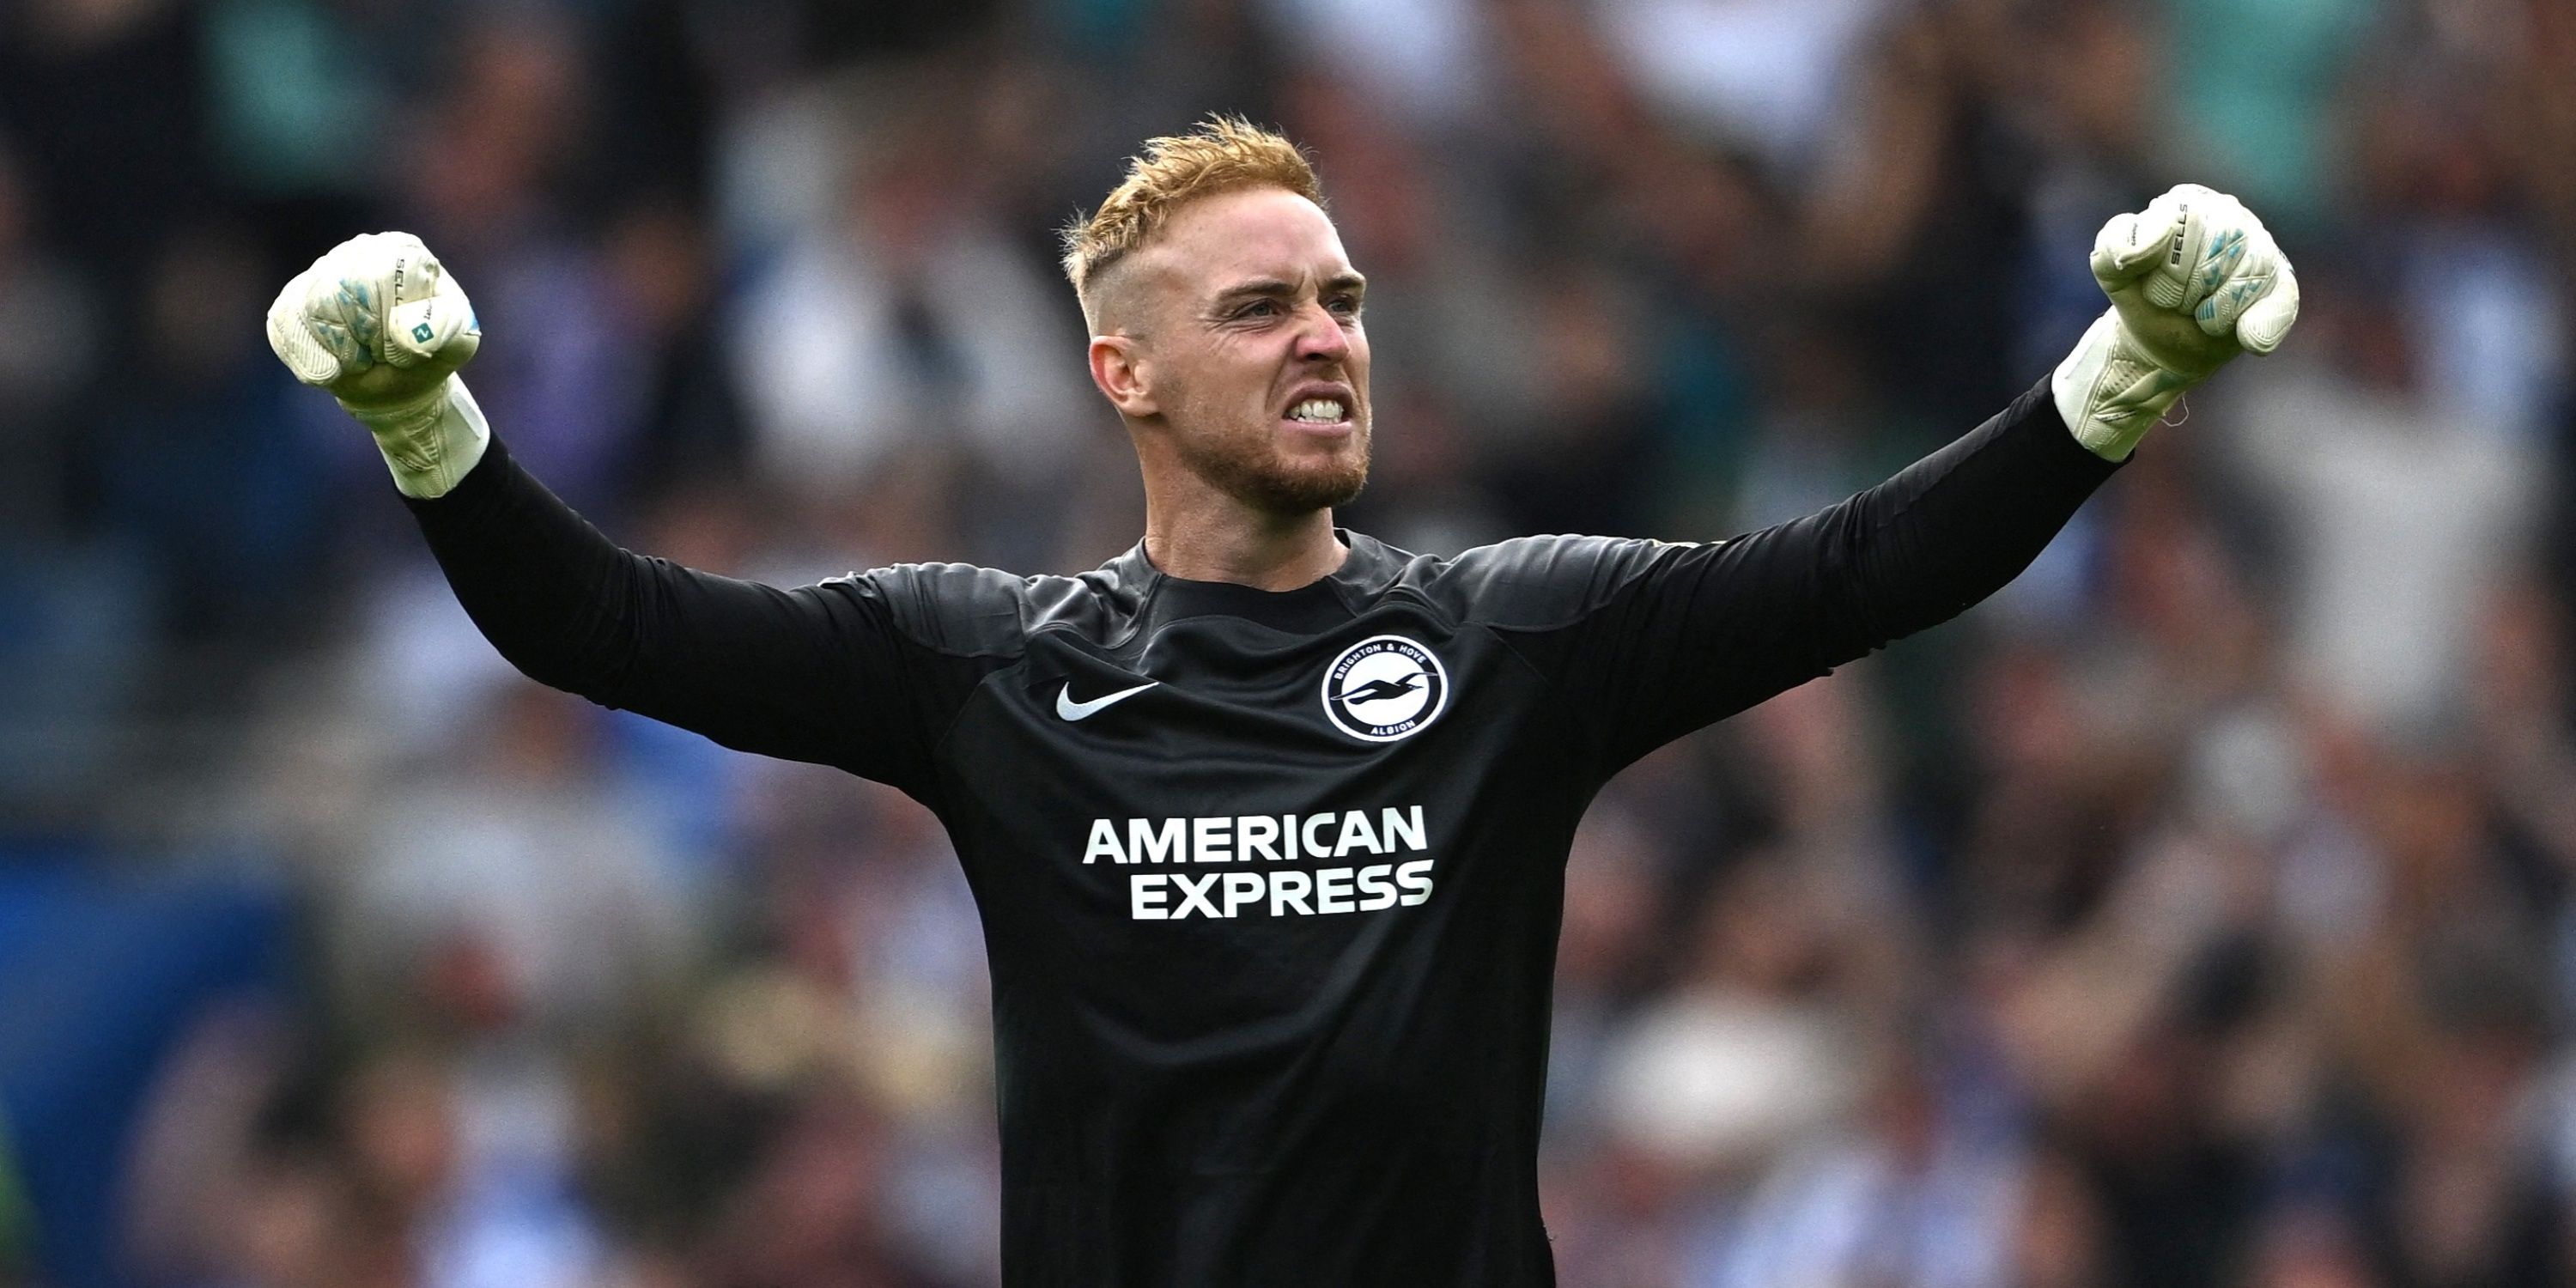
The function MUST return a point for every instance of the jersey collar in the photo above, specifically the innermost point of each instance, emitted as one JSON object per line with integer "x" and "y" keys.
{"x": 1366, "y": 572}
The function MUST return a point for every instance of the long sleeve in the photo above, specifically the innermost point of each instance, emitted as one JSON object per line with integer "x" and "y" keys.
{"x": 818, "y": 673}
{"x": 1664, "y": 638}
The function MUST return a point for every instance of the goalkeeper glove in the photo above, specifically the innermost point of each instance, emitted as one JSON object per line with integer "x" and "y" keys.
{"x": 2193, "y": 280}
{"x": 380, "y": 325}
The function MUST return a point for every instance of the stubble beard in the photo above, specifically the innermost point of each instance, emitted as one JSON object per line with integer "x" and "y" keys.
{"x": 1248, "y": 466}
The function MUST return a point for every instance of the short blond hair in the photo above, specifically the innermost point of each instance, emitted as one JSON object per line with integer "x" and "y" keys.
{"x": 1222, "y": 154}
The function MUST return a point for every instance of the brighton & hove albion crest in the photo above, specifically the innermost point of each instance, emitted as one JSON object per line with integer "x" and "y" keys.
{"x": 1383, "y": 688}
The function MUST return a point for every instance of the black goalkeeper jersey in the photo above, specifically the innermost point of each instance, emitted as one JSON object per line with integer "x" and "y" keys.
{"x": 1270, "y": 882}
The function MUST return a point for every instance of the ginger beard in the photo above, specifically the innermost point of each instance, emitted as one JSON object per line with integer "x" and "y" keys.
{"x": 1246, "y": 454}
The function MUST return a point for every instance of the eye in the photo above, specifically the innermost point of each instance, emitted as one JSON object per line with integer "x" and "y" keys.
{"x": 1346, "y": 305}
{"x": 1258, "y": 309}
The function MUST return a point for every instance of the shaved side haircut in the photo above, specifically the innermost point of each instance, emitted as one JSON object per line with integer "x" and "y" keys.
{"x": 1224, "y": 153}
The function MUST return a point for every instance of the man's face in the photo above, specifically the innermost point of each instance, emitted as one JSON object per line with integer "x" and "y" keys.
{"x": 1253, "y": 351}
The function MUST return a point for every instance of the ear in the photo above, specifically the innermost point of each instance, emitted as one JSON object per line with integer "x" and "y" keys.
{"x": 1120, "y": 369}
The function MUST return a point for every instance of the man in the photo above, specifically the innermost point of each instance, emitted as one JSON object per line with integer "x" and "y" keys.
{"x": 1265, "y": 819}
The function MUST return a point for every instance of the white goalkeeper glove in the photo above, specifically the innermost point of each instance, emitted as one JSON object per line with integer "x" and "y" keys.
{"x": 2194, "y": 279}
{"x": 380, "y": 325}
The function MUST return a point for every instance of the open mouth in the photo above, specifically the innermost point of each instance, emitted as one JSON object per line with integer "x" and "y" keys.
{"x": 1320, "y": 411}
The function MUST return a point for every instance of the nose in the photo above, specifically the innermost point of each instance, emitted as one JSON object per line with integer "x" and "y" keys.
{"x": 1320, "y": 337}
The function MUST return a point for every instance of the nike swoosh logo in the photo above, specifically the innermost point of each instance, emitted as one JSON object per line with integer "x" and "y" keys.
{"x": 1071, "y": 710}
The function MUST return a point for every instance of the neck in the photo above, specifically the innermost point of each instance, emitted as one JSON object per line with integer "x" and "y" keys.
{"x": 1232, "y": 542}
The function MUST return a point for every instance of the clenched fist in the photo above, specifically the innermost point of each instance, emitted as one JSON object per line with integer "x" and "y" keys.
{"x": 378, "y": 322}
{"x": 2194, "y": 280}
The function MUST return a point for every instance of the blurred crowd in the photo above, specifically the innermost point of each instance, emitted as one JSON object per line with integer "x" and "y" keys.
{"x": 2197, "y": 912}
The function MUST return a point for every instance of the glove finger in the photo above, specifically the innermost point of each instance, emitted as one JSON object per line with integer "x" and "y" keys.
{"x": 292, "y": 339}
{"x": 411, "y": 272}
{"x": 2266, "y": 322}
{"x": 339, "y": 314}
{"x": 441, "y": 329}
{"x": 2128, "y": 246}
{"x": 466, "y": 340}
{"x": 2203, "y": 223}
{"x": 2250, "y": 272}
{"x": 2236, "y": 236}
{"x": 345, "y": 312}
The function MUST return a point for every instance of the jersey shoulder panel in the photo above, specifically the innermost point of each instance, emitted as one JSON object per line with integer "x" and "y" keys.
{"x": 970, "y": 611}
{"x": 1536, "y": 583}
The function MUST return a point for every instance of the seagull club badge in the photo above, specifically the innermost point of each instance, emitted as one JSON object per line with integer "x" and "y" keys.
{"x": 1383, "y": 688}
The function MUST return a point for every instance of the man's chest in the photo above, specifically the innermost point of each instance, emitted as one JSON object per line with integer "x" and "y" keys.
{"x": 1214, "y": 768}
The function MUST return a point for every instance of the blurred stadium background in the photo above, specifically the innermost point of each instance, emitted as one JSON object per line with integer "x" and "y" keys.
{"x": 2198, "y": 912}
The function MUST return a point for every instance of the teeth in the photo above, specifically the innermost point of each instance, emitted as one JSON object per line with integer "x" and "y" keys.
{"x": 1322, "y": 411}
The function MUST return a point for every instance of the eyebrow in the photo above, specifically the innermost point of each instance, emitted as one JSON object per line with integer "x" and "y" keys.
{"x": 1348, "y": 280}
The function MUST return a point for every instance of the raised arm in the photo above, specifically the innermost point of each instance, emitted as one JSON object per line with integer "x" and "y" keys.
{"x": 817, "y": 673}
{"x": 1683, "y": 635}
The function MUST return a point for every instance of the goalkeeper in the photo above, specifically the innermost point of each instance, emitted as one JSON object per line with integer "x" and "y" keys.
{"x": 1266, "y": 820}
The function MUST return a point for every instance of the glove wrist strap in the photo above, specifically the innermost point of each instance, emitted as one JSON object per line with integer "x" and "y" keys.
{"x": 2109, "y": 391}
{"x": 428, "y": 442}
